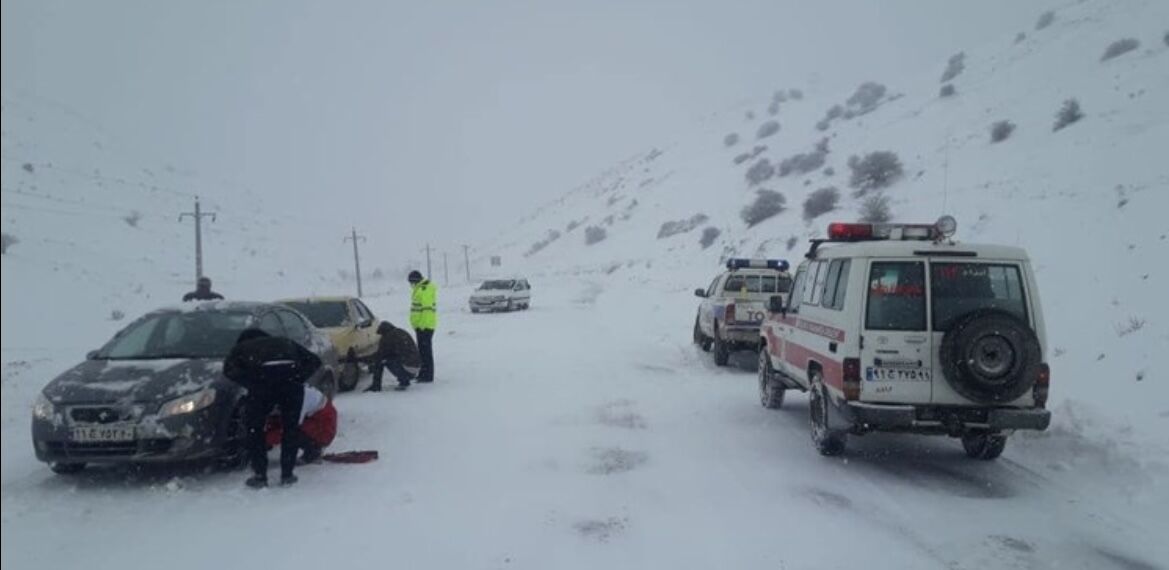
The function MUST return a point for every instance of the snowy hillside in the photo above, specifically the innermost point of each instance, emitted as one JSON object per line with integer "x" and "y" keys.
{"x": 1088, "y": 200}
{"x": 97, "y": 227}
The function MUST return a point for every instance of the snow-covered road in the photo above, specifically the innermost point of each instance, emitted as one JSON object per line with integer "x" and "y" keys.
{"x": 587, "y": 433}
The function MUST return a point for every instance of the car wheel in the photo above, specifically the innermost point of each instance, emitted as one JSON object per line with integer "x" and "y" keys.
{"x": 61, "y": 468}
{"x": 474, "y": 310}
{"x": 770, "y": 392}
{"x": 722, "y": 350}
{"x": 350, "y": 376}
{"x": 234, "y": 450}
{"x": 983, "y": 445}
{"x": 828, "y": 442}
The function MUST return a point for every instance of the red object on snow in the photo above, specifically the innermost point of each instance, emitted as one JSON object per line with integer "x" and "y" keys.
{"x": 351, "y": 456}
{"x": 320, "y": 427}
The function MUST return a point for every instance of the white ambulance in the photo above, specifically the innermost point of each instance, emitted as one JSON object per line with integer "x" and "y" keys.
{"x": 735, "y": 304}
{"x": 895, "y": 327}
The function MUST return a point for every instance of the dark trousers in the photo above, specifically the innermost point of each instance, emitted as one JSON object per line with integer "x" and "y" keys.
{"x": 426, "y": 352}
{"x": 395, "y": 368}
{"x": 289, "y": 398}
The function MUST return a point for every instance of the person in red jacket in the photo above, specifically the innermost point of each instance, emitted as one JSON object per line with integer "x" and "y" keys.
{"x": 318, "y": 426}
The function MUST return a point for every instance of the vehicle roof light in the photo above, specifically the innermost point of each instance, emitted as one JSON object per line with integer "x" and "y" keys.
{"x": 840, "y": 231}
{"x": 757, "y": 263}
{"x": 947, "y": 226}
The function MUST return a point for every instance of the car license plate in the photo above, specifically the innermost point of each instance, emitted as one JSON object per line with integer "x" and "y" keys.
{"x": 897, "y": 374}
{"x": 94, "y": 434}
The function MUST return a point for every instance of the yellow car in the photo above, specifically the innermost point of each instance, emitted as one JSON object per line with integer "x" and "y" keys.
{"x": 350, "y": 325}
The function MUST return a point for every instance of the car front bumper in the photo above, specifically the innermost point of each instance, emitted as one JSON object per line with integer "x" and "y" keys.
{"x": 950, "y": 420}
{"x": 198, "y": 435}
{"x": 489, "y": 305}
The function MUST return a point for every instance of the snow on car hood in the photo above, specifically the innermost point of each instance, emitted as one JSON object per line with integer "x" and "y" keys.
{"x": 98, "y": 381}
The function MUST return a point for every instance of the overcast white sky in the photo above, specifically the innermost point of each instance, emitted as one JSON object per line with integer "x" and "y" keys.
{"x": 442, "y": 121}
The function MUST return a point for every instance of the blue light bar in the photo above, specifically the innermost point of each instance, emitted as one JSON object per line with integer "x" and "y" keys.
{"x": 744, "y": 263}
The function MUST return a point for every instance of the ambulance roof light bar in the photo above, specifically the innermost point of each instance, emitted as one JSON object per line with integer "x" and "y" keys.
{"x": 943, "y": 228}
{"x": 744, "y": 263}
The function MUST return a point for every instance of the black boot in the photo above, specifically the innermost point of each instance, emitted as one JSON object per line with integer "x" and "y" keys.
{"x": 312, "y": 454}
{"x": 374, "y": 388}
{"x": 288, "y": 480}
{"x": 257, "y": 481}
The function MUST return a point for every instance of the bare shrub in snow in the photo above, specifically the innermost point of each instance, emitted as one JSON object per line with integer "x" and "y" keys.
{"x": 7, "y": 241}
{"x": 804, "y": 163}
{"x": 1133, "y": 325}
{"x": 773, "y": 108}
{"x": 834, "y": 112}
{"x": 795, "y": 94}
{"x": 822, "y": 125}
{"x": 595, "y": 234}
{"x": 1119, "y": 48}
{"x": 675, "y": 227}
{"x": 792, "y": 242}
{"x": 750, "y": 115}
{"x": 875, "y": 171}
{"x": 132, "y": 218}
{"x": 758, "y": 150}
{"x": 779, "y": 96}
{"x": 829, "y": 171}
{"x": 740, "y": 159}
{"x": 731, "y": 139}
{"x": 1069, "y": 113}
{"x": 1001, "y": 131}
{"x": 820, "y": 202}
{"x": 768, "y": 203}
{"x": 572, "y": 225}
{"x": 1019, "y": 37}
{"x": 760, "y": 172}
{"x": 117, "y": 315}
{"x": 552, "y": 236}
{"x": 947, "y": 90}
{"x": 1166, "y": 38}
{"x": 954, "y": 67}
{"x": 767, "y": 129}
{"x": 709, "y": 235}
{"x": 875, "y": 209}
{"x": 867, "y": 96}
{"x": 28, "y": 167}
{"x": 1045, "y": 19}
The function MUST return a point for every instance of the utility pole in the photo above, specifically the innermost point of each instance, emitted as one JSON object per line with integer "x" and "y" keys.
{"x": 467, "y": 261}
{"x": 428, "y": 274}
{"x": 446, "y": 274}
{"x": 353, "y": 237}
{"x": 198, "y": 216}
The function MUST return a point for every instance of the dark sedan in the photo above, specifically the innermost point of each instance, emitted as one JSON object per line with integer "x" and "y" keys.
{"x": 156, "y": 391}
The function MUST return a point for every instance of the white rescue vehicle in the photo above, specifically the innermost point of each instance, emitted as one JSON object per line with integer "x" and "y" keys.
{"x": 894, "y": 327}
{"x": 735, "y": 304}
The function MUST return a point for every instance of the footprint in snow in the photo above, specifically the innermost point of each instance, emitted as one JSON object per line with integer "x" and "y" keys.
{"x": 620, "y": 414}
{"x": 601, "y": 530}
{"x": 610, "y": 460}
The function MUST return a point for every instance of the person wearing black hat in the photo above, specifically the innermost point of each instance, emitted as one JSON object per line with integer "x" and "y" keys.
{"x": 274, "y": 371}
{"x": 397, "y": 353}
{"x": 202, "y": 291}
{"x": 424, "y": 319}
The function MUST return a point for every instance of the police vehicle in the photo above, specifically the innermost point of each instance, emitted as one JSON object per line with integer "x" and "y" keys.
{"x": 895, "y": 327}
{"x": 735, "y": 304}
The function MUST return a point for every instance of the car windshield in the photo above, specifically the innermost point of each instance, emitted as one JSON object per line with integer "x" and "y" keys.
{"x": 323, "y": 314}
{"x": 758, "y": 284}
{"x": 499, "y": 284}
{"x": 196, "y": 334}
{"x": 959, "y": 288}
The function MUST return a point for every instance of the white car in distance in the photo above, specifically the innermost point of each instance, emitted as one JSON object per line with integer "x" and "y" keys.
{"x": 501, "y": 295}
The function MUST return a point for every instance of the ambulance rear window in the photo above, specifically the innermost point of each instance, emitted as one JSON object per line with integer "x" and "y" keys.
{"x": 896, "y": 296}
{"x": 959, "y": 288}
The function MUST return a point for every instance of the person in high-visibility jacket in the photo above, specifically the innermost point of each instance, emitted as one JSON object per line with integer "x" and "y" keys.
{"x": 424, "y": 319}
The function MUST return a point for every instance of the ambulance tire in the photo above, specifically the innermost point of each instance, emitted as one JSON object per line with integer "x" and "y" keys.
{"x": 990, "y": 356}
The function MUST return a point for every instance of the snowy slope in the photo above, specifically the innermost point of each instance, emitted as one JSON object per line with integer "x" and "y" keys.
{"x": 1088, "y": 201}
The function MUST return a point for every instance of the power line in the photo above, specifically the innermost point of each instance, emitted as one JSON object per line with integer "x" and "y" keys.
{"x": 198, "y": 216}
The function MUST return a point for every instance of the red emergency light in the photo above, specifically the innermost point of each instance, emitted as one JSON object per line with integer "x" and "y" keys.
{"x": 841, "y": 231}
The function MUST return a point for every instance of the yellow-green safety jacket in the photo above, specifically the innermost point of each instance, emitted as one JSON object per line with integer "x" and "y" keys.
{"x": 423, "y": 305}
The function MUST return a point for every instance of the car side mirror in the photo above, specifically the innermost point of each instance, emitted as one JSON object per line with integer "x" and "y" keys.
{"x": 775, "y": 304}
{"x": 365, "y": 323}
{"x": 700, "y": 293}
{"x": 91, "y": 355}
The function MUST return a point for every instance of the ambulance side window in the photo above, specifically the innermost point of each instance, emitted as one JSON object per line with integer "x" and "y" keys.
{"x": 797, "y": 292}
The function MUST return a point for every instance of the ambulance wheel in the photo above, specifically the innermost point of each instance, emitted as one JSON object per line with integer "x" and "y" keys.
{"x": 473, "y": 310}
{"x": 722, "y": 350}
{"x": 828, "y": 442}
{"x": 983, "y": 445}
{"x": 770, "y": 392}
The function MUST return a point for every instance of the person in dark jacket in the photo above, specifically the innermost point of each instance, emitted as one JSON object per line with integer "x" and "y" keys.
{"x": 396, "y": 352}
{"x": 202, "y": 292}
{"x": 274, "y": 371}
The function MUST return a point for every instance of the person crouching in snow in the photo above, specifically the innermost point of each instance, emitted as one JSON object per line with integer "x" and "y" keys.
{"x": 396, "y": 352}
{"x": 318, "y": 426}
{"x": 274, "y": 371}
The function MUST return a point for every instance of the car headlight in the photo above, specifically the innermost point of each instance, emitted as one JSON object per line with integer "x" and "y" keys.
{"x": 188, "y": 404}
{"x": 43, "y": 409}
